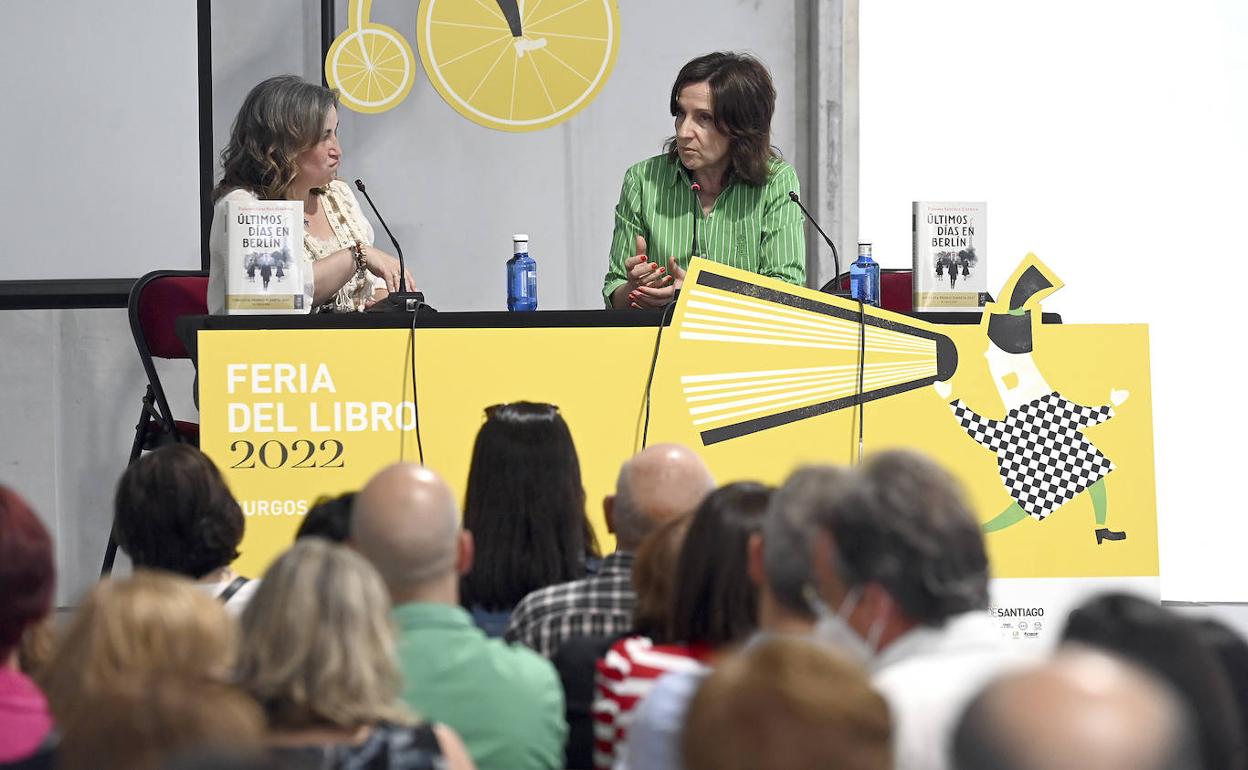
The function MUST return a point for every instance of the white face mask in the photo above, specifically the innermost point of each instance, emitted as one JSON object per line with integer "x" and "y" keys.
{"x": 833, "y": 628}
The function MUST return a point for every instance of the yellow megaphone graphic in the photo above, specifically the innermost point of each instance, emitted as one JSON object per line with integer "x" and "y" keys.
{"x": 754, "y": 353}
{"x": 371, "y": 65}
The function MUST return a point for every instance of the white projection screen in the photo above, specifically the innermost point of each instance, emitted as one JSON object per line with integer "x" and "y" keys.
{"x": 100, "y": 183}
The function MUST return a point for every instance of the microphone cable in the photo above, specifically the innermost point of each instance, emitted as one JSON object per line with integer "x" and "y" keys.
{"x": 411, "y": 336}
{"x": 862, "y": 366}
{"x": 664, "y": 319}
{"x": 411, "y": 341}
{"x": 654, "y": 361}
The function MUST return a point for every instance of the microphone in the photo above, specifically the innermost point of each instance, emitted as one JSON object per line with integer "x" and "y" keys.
{"x": 403, "y": 301}
{"x": 836, "y": 257}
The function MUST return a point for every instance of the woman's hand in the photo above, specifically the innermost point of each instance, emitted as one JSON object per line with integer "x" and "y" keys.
{"x": 386, "y": 267}
{"x": 641, "y": 273}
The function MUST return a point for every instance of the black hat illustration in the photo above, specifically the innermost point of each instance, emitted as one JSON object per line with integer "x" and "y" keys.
{"x": 1010, "y": 322}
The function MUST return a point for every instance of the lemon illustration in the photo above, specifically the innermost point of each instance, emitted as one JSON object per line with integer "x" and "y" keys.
{"x": 518, "y": 65}
{"x": 370, "y": 65}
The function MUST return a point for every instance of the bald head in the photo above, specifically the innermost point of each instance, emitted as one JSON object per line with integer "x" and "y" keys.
{"x": 659, "y": 483}
{"x": 406, "y": 522}
{"x": 1082, "y": 709}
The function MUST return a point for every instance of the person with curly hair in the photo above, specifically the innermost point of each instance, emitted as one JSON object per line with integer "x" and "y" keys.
{"x": 284, "y": 146}
{"x": 173, "y": 512}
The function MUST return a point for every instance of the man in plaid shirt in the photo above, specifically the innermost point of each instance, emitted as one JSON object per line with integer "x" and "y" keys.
{"x": 659, "y": 483}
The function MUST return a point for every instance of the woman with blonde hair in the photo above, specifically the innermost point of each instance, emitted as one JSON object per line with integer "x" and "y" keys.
{"x": 318, "y": 654}
{"x": 787, "y": 704}
{"x": 150, "y": 624}
{"x": 284, "y": 146}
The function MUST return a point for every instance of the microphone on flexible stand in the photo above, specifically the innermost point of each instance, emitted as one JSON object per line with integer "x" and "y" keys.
{"x": 402, "y": 301}
{"x": 835, "y": 283}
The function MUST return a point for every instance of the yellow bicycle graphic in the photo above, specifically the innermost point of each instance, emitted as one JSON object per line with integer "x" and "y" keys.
{"x": 371, "y": 65}
{"x": 518, "y": 65}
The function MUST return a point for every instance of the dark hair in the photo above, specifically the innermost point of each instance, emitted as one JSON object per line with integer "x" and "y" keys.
{"x": 525, "y": 506}
{"x": 1232, "y": 652}
{"x": 27, "y": 572}
{"x": 715, "y": 601}
{"x": 174, "y": 512}
{"x": 1171, "y": 647}
{"x": 329, "y": 517}
{"x": 742, "y": 102}
{"x": 280, "y": 118}
{"x": 901, "y": 521}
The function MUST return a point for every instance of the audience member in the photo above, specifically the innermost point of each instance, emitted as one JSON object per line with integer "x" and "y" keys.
{"x": 318, "y": 653}
{"x": 779, "y": 564}
{"x": 780, "y": 556}
{"x": 149, "y": 624}
{"x": 903, "y": 584}
{"x": 504, "y": 701}
{"x": 714, "y": 604}
{"x": 1232, "y": 652}
{"x": 525, "y": 508}
{"x": 576, "y": 661}
{"x": 141, "y": 723}
{"x": 215, "y": 758}
{"x": 1170, "y": 646}
{"x": 329, "y": 518}
{"x": 660, "y": 483}
{"x": 35, "y": 649}
{"x": 175, "y": 513}
{"x": 27, "y": 577}
{"x": 1083, "y": 709}
{"x": 787, "y": 704}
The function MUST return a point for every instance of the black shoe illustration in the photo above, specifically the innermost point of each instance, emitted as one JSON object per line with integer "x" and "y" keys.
{"x": 1104, "y": 534}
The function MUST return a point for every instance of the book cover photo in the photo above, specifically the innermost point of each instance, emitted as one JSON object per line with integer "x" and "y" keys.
{"x": 950, "y": 256}
{"x": 265, "y": 268}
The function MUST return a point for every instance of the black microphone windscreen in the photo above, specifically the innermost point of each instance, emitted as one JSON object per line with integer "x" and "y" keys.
{"x": 793, "y": 196}
{"x": 359, "y": 185}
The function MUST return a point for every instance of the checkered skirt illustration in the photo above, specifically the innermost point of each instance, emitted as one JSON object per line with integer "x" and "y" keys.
{"x": 1042, "y": 454}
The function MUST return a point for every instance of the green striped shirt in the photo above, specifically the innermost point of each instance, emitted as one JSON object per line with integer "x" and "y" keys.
{"x": 754, "y": 228}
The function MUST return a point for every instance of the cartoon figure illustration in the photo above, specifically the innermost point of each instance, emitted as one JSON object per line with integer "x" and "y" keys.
{"x": 1043, "y": 456}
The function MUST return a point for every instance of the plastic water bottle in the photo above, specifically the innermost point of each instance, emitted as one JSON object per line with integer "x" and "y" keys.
{"x": 521, "y": 276}
{"x": 864, "y": 277}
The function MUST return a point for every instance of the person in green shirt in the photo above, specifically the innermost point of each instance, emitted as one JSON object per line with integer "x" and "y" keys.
{"x": 719, "y": 190}
{"x": 505, "y": 701}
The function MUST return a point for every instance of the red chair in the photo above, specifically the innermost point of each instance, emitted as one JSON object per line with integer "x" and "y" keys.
{"x": 896, "y": 289}
{"x": 157, "y": 301}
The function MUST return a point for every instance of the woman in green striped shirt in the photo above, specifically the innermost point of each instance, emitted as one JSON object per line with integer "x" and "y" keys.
{"x": 719, "y": 191}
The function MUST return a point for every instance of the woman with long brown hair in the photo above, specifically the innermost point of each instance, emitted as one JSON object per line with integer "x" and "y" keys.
{"x": 718, "y": 191}
{"x": 284, "y": 146}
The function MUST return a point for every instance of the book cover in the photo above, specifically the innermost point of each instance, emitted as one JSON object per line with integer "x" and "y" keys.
{"x": 950, "y": 256}
{"x": 265, "y": 268}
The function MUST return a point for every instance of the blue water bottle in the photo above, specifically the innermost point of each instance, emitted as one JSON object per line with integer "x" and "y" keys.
{"x": 521, "y": 276}
{"x": 864, "y": 277}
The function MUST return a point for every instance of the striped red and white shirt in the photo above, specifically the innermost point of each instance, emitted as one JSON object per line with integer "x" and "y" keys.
{"x": 625, "y": 676}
